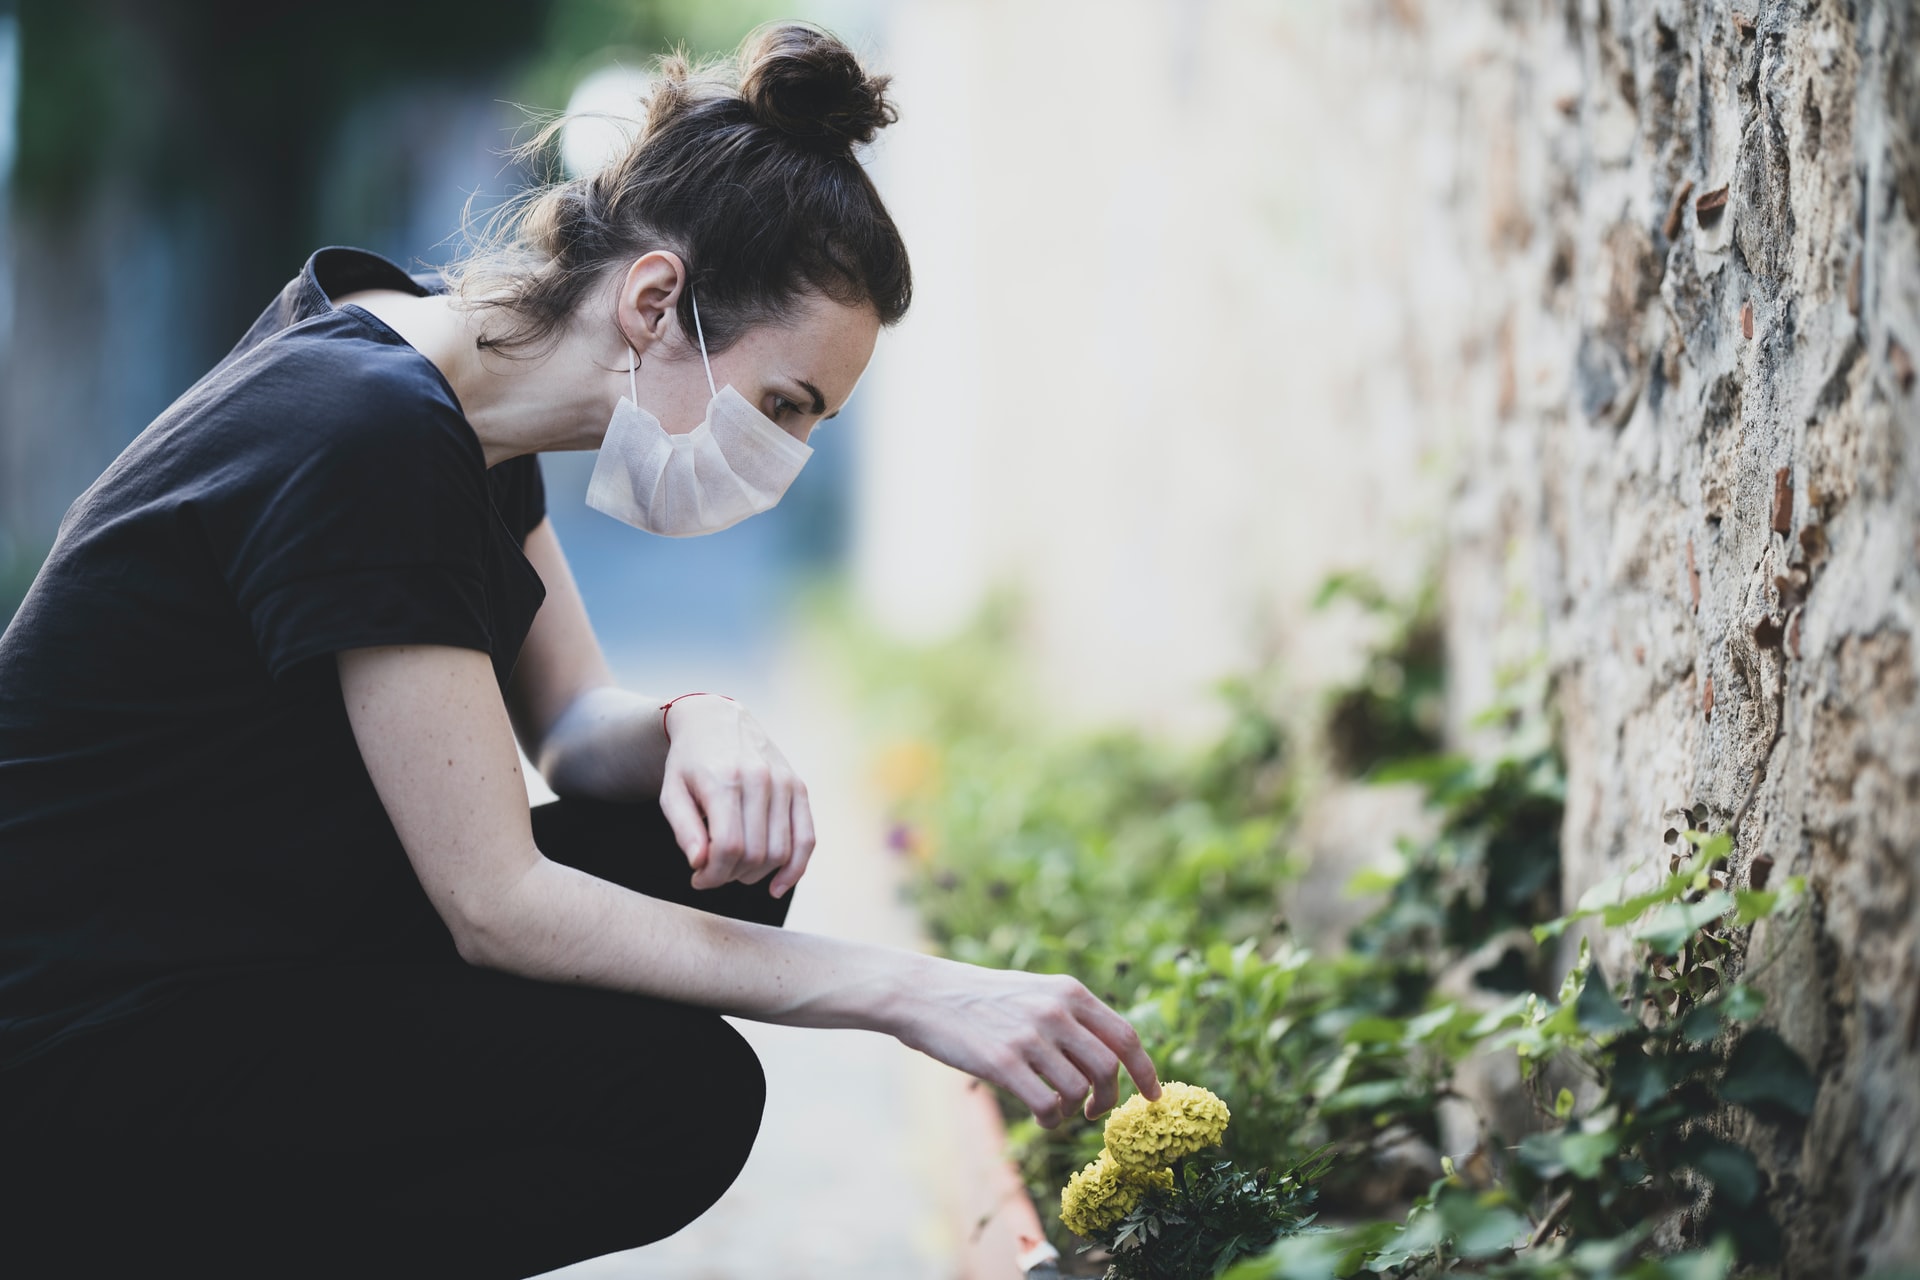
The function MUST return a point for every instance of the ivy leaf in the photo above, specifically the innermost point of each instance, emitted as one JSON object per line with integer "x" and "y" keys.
{"x": 1640, "y": 1079}
{"x": 1755, "y": 904}
{"x": 1540, "y": 1153}
{"x": 1489, "y": 1230}
{"x": 1767, "y": 1077}
{"x": 1601, "y": 895}
{"x": 1730, "y": 1168}
{"x": 1703, "y": 1022}
{"x": 1670, "y": 927}
{"x": 1596, "y": 1009}
{"x": 1374, "y": 880}
{"x": 1375, "y": 1030}
{"x": 1633, "y": 908}
{"x": 1585, "y": 1153}
{"x": 1742, "y": 1003}
{"x": 1371, "y": 1095}
{"x": 1711, "y": 1263}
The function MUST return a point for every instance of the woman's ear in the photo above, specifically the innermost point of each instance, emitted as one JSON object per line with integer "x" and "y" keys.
{"x": 648, "y": 297}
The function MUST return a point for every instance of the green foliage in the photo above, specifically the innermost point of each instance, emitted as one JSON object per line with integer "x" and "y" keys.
{"x": 1393, "y": 710}
{"x": 1160, "y": 878}
{"x": 1493, "y": 867}
{"x": 1581, "y": 1197}
{"x": 1215, "y": 1214}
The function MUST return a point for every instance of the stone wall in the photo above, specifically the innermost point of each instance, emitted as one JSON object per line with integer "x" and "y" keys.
{"x": 1705, "y": 469}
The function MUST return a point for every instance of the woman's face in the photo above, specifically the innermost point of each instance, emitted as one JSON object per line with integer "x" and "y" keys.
{"x": 799, "y": 372}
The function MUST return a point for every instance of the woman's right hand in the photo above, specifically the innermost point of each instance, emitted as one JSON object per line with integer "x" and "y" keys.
{"x": 1044, "y": 1038}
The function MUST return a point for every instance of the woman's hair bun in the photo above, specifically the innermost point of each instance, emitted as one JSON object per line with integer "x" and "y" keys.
{"x": 804, "y": 82}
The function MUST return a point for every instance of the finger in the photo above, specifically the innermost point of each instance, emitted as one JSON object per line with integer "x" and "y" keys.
{"x": 1039, "y": 1097}
{"x": 756, "y": 796}
{"x": 677, "y": 806}
{"x": 1118, "y": 1034}
{"x": 803, "y": 842}
{"x": 1098, "y": 1064}
{"x": 720, "y": 800}
{"x": 779, "y": 825}
{"x": 1067, "y": 1080}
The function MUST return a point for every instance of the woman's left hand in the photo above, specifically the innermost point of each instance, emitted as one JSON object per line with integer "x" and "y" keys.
{"x": 735, "y": 804}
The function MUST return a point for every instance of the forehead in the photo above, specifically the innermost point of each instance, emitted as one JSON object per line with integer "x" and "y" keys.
{"x": 824, "y": 342}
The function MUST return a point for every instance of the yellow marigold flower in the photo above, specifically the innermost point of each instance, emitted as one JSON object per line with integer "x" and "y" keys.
{"x": 1101, "y": 1194}
{"x": 1144, "y": 1135}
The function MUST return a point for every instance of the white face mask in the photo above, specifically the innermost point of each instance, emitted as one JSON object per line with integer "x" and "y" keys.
{"x": 735, "y": 464}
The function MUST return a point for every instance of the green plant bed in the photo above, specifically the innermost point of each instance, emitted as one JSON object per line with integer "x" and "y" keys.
{"x": 1160, "y": 877}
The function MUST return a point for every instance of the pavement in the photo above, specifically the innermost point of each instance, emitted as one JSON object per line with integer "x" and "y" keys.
{"x": 868, "y": 1152}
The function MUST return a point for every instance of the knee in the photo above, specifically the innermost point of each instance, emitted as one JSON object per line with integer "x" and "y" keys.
{"x": 738, "y": 1098}
{"x": 710, "y": 1123}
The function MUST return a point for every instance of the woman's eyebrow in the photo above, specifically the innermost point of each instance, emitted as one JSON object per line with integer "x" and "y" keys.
{"x": 819, "y": 401}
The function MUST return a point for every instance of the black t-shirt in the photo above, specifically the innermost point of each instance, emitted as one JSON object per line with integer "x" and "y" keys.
{"x": 180, "y": 790}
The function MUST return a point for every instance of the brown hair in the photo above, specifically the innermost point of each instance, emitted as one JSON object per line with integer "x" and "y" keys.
{"x": 744, "y": 168}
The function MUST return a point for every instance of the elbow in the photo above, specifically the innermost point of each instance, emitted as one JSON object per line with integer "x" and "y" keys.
{"x": 484, "y": 938}
{"x": 479, "y": 947}
{"x": 473, "y": 947}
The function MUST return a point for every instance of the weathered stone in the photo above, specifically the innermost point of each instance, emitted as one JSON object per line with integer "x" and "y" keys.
{"x": 1728, "y": 577}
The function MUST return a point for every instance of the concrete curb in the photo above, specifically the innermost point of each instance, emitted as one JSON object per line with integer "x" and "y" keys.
{"x": 1000, "y": 1233}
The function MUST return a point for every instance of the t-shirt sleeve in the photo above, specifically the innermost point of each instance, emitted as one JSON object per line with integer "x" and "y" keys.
{"x": 520, "y": 493}
{"x": 363, "y": 523}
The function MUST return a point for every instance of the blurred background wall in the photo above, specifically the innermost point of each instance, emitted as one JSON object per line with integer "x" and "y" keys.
{"x": 168, "y": 167}
{"x": 1189, "y": 333}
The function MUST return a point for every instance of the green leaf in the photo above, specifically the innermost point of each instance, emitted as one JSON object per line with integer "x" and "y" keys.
{"x": 1640, "y": 1079}
{"x": 1563, "y": 1104}
{"x": 1432, "y": 771}
{"x": 1369, "y": 1096}
{"x": 1374, "y": 880}
{"x": 1709, "y": 848}
{"x": 1423, "y": 1026}
{"x": 1711, "y": 1263}
{"x": 1702, "y": 1023}
{"x": 1375, "y": 1030}
{"x": 1670, "y": 927}
{"x": 1596, "y": 1009}
{"x": 1731, "y": 1169}
{"x": 1753, "y": 904}
{"x": 1490, "y": 1230}
{"x": 1633, "y": 908}
{"x": 1585, "y": 1153}
{"x": 1540, "y": 1152}
{"x": 1602, "y": 895}
{"x": 1553, "y": 928}
{"x": 1767, "y": 1077}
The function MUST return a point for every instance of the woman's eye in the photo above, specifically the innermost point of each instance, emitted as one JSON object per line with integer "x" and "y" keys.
{"x": 783, "y": 405}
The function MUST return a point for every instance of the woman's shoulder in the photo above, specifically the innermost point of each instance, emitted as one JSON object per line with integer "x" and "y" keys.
{"x": 336, "y": 385}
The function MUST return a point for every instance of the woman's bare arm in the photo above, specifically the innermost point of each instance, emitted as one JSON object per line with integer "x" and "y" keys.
{"x": 587, "y": 736}
{"x": 435, "y": 736}
{"x": 736, "y": 806}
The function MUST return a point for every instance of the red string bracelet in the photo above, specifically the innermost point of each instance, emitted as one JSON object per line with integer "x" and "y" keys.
{"x": 698, "y": 693}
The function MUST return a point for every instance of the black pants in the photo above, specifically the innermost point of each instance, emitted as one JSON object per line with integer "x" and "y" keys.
{"x": 418, "y": 1120}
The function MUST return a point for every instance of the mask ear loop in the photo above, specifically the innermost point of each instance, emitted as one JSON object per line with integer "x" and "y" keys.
{"x": 701, "y": 334}
{"x": 633, "y": 383}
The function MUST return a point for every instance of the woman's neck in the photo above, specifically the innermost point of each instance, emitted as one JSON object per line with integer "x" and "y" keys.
{"x": 554, "y": 401}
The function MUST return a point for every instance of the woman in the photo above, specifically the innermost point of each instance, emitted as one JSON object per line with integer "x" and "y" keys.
{"x": 291, "y": 979}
